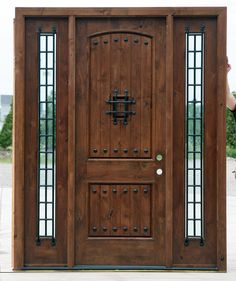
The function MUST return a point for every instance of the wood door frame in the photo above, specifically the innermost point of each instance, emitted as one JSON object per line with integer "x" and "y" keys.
{"x": 19, "y": 119}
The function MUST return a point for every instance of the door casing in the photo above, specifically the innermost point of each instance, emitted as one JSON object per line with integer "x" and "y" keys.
{"x": 70, "y": 16}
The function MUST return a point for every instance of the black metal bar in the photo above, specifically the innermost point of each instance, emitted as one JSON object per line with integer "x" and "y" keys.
{"x": 38, "y": 155}
{"x": 123, "y": 100}
{"x": 194, "y": 138}
{"x": 53, "y": 139}
{"x": 120, "y": 112}
{"x": 186, "y": 242}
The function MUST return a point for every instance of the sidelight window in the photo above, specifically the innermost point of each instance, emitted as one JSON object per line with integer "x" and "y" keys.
{"x": 46, "y": 191}
{"x": 194, "y": 136}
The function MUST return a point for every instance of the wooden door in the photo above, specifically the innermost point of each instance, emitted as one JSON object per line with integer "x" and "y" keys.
{"x": 120, "y": 128}
{"x": 119, "y": 138}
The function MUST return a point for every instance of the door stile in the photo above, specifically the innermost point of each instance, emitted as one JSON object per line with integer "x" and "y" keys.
{"x": 18, "y": 145}
{"x": 221, "y": 142}
{"x": 169, "y": 140}
{"x": 71, "y": 144}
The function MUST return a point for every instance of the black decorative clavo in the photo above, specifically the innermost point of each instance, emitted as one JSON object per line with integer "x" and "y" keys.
{"x": 116, "y": 103}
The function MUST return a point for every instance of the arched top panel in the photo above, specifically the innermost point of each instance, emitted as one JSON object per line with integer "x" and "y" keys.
{"x": 109, "y": 32}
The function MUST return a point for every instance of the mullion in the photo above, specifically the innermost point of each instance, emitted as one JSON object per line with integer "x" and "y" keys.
{"x": 194, "y": 138}
{"x": 186, "y": 133}
{"x": 46, "y": 138}
{"x": 202, "y": 78}
{"x": 53, "y": 132}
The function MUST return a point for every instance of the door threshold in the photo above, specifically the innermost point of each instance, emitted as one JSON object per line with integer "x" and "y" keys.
{"x": 120, "y": 268}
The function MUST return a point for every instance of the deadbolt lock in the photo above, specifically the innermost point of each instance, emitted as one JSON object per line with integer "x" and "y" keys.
{"x": 159, "y": 157}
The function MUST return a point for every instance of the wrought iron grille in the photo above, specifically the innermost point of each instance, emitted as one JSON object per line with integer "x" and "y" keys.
{"x": 46, "y": 192}
{"x": 194, "y": 136}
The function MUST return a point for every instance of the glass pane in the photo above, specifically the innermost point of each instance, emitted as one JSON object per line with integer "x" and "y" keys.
{"x": 49, "y": 177}
{"x": 198, "y": 93}
{"x": 190, "y": 193}
{"x": 42, "y": 43}
{"x": 197, "y": 160}
{"x": 42, "y": 177}
{"x": 47, "y": 134}
{"x": 50, "y": 77}
{"x": 198, "y": 59}
{"x": 42, "y": 194}
{"x": 50, "y": 60}
{"x": 42, "y": 93}
{"x": 190, "y": 143}
{"x": 49, "y": 194}
{"x": 199, "y": 43}
{"x": 42, "y": 211}
{"x": 190, "y": 211}
{"x": 50, "y": 43}
{"x": 190, "y": 110}
{"x": 198, "y": 79}
{"x": 198, "y": 177}
{"x": 198, "y": 211}
{"x": 198, "y": 126}
{"x": 198, "y": 194}
{"x": 190, "y": 177}
{"x": 191, "y": 43}
{"x": 191, "y": 60}
{"x": 190, "y": 228}
{"x": 198, "y": 228}
{"x": 197, "y": 144}
{"x": 49, "y": 228}
{"x": 190, "y": 127}
{"x": 194, "y": 139}
{"x": 49, "y": 211}
{"x": 191, "y": 76}
{"x": 42, "y": 60}
{"x": 198, "y": 110}
{"x": 50, "y": 127}
{"x": 50, "y": 93}
{"x": 42, "y": 228}
{"x": 190, "y": 93}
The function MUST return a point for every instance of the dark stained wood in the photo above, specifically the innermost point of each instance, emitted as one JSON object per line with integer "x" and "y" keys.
{"x": 18, "y": 144}
{"x": 71, "y": 143}
{"x": 195, "y": 255}
{"x": 221, "y": 144}
{"x": 134, "y": 64}
{"x": 124, "y": 12}
{"x": 86, "y": 74}
{"x": 169, "y": 144}
{"x": 45, "y": 253}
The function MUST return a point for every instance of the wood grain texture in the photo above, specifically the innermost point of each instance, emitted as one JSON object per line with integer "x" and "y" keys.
{"x": 45, "y": 253}
{"x": 18, "y": 144}
{"x": 132, "y": 63}
{"x": 71, "y": 143}
{"x": 155, "y": 75}
{"x": 221, "y": 143}
{"x": 125, "y": 12}
{"x": 194, "y": 254}
{"x": 169, "y": 144}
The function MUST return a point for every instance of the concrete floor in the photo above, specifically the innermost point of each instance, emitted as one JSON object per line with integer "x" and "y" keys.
{"x": 5, "y": 245}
